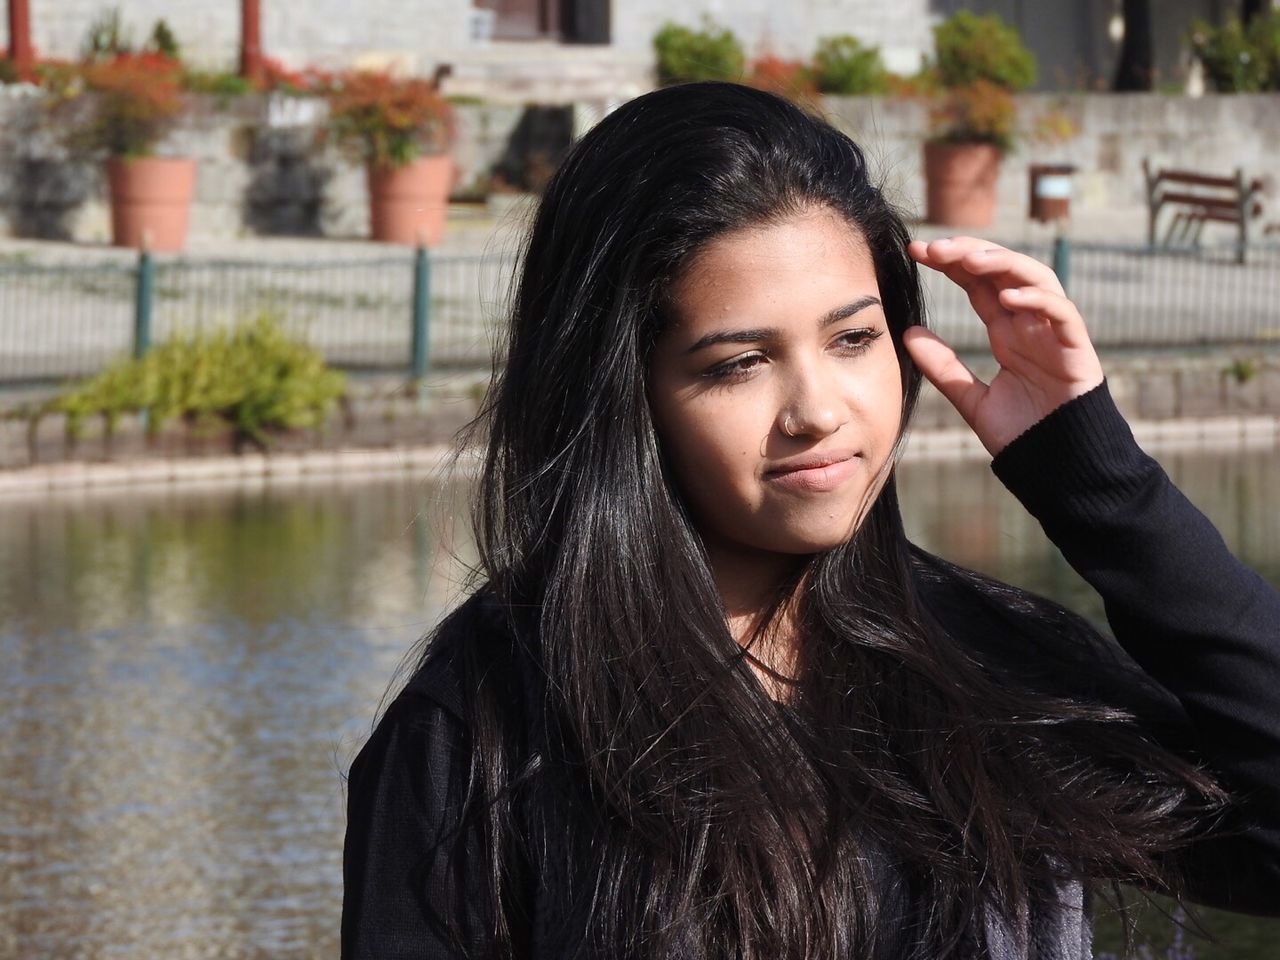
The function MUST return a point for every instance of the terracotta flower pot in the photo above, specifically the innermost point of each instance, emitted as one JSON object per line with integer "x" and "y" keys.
{"x": 960, "y": 183}
{"x": 150, "y": 201}
{"x": 407, "y": 204}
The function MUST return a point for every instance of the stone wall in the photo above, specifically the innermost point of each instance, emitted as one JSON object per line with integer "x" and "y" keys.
{"x": 1159, "y": 386}
{"x": 263, "y": 169}
{"x": 1215, "y": 134}
{"x": 1221, "y": 398}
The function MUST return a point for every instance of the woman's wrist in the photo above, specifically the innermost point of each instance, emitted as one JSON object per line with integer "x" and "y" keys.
{"x": 1081, "y": 456}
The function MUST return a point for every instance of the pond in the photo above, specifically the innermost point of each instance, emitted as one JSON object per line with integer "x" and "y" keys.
{"x": 188, "y": 673}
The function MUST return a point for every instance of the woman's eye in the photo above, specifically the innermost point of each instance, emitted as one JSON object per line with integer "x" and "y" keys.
{"x": 737, "y": 368}
{"x": 857, "y": 341}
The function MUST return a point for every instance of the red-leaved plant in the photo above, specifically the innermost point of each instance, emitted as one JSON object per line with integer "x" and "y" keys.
{"x": 122, "y": 106}
{"x": 792, "y": 79}
{"x": 980, "y": 112}
{"x": 388, "y": 121}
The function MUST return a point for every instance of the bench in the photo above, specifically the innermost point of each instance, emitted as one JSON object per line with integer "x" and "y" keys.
{"x": 1196, "y": 199}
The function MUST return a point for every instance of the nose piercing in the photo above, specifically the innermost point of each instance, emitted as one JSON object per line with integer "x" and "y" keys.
{"x": 786, "y": 426}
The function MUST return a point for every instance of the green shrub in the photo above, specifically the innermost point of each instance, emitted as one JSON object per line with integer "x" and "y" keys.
{"x": 163, "y": 41}
{"x": 970, "y": 48}
{"x": 106, "y": 37}
{"x": 843, "y": 65}
{"x": 711, "y": 53}
{"x": 8, "y": 72}
{"x": 218, "y": 84}
{"x": 1240, "y": 59}
{"x": 253, "y": 377}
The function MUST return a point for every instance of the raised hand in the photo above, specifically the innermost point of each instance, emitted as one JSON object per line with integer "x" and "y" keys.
{"x": 1036, "y": 335}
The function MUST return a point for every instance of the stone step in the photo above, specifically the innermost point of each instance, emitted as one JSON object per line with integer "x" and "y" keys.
{"x": 547, "y": 72}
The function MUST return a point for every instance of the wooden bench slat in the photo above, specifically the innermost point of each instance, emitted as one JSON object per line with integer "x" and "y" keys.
{"x": 1196, "y": 179}
{"x": 1199, "y": 201}
{"x": 1218, "y": 216}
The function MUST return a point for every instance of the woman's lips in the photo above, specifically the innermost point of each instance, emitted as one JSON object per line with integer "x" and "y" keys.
{"x": 816, "y": 478}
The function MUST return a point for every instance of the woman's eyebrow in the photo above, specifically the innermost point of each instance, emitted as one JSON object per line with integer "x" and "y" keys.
{"x": 766, "y": 333}
{"x": 848, "y": 310}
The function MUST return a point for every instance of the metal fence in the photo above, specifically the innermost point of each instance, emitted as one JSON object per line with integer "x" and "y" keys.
{"x": 66, "y": 320}
{"x": 60, "y": 321}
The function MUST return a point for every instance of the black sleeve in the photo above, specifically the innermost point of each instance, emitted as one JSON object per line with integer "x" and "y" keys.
{"x": 1199, "y": 622}
{"x": 406, "y": 793}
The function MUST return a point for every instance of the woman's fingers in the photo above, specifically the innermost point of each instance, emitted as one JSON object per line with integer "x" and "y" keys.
{"x": 946, "y": 371}
{"x": 944, "y": 256}
{"x": 1007, "y": 268}
{"x": 970, "y": 261}
{"x": 1036, "y": 335}
{"x": 1035, "y": 306}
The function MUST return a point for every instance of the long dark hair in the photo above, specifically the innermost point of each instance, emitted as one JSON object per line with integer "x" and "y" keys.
{"x": 718, "y": 822}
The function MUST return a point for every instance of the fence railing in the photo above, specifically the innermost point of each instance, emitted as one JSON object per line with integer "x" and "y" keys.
{"x": 403, "y": 313}
{"x": 398, "y": 314}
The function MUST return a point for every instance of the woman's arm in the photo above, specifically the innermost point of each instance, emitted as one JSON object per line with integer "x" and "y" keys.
{"x": 1197, "y": 620}
{"x": 404, "y": 802}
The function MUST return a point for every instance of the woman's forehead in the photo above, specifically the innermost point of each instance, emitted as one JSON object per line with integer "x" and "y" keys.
{"x": 816, "y": 254}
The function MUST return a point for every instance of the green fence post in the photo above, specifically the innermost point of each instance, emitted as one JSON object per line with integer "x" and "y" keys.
{"x": 144, "y": 290}
{"x": 1062, "y": 260}
{"x": 421, "y": 311}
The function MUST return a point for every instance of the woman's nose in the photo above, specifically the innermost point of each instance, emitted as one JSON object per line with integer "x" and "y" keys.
{"x": 813, "y": 408}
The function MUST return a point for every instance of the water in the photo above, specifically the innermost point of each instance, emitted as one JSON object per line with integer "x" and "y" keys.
{"x": 188, "y": 673}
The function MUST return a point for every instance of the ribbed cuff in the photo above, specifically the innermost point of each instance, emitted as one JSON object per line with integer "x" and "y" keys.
{"x": 1080, "y": 458}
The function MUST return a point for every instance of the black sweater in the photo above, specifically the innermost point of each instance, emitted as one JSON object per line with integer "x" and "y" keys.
{"x": 1198, "y": 661}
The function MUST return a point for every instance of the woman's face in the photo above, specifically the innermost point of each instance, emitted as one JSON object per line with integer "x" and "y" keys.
{"x": 776, "y": 390}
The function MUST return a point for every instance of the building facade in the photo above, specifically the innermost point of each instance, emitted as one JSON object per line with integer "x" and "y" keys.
{"x": 575, "y": 49}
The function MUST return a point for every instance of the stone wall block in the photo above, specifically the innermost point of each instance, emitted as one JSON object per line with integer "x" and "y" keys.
{"x": 1269, "y": 387}
{"x": 1201, "y": 392}
{"x": 1125, "y": 392}
{"x": 1245, "y": 396}
{"x": 345, "y": 212}
{"x": 1157, "y": 396}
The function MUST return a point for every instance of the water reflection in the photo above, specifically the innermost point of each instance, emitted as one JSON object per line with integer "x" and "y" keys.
{"x": 188, "y": 673}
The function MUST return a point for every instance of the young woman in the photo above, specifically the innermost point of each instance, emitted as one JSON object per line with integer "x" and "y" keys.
{"x": 707, "y": 700}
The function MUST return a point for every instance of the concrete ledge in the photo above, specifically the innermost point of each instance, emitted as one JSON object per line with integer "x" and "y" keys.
{"x": 318, "y": 465}
{"x": 1230, "y": 433}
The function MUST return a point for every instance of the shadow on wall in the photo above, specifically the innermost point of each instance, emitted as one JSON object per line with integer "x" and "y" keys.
{"x": 285, "y": 195}
{"x": 534, "y": 149}
{"x": 49, "y": 191}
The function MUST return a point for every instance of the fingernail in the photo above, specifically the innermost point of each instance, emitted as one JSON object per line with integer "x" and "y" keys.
{"x": 942, "y": 241}
{"x": 1015, "y": 291}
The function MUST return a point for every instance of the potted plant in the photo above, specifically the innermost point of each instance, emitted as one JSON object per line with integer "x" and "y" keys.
{"x": 122, "y": 107}
{"x": 971, "y": 130}
{"x": 401, "y": 128}
{"x": 979, "y": 62}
